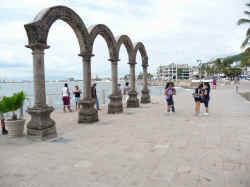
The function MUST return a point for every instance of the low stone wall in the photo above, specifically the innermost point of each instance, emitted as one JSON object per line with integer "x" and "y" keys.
{"x": 179, "y": 83}
{"x": 246, "y": 95}
{"x": 185, "y": 84}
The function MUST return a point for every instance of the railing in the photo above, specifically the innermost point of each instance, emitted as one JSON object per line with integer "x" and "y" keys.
{"x": 56, "y": 101}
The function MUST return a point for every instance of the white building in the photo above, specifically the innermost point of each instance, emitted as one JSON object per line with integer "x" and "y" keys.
{"x": 174, "y": 71}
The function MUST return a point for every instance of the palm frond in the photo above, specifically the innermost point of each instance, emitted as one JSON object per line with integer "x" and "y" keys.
{"x": 248, "y": 32}
{"x": 247, "y": 50}
{"x": 245, "y": 42}
{"x": 243, "y": 21}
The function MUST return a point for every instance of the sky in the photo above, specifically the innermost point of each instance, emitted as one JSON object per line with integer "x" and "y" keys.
{"x": 179, "y": 31}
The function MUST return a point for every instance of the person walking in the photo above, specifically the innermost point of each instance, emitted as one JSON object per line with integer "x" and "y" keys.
{"x": 169, "y": 96}
{"x": 198, "y": 98}
{"x": 125, "y": 92}
{"x": 77, "y": 93}
{"x": 66, "y": 98}
{"x": 94, "y": 96}
{"x": 206, "y": 96}
{"x": 4, "y": 131}
{"x": 236, "y": 84}
{"x": 174, "y": 93}
{"x": 214, "y": 83}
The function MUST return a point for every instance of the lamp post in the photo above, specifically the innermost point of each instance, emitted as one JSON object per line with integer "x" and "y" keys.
{"x": 199, "y": 65}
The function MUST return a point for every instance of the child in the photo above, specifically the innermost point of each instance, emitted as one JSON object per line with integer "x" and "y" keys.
{"x": 169, "y": 95}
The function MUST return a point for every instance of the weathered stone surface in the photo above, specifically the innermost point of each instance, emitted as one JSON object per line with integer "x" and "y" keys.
{"x": 38, "y": 30}
{"x": 133, "y": 101}
{"x": 115, "y": 105}
{"x": 145, "y": 97}
{"x": 126, "y": 41}
{"x": 41, "y": 126}
{"x": 106, "y": 33}
{"x": 87, "y": 113}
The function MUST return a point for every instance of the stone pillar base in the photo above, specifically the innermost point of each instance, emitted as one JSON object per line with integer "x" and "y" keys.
{"x": 41, "y": 126}
{"x": 87, "y": 113}
{"x": 115, "y": 105}
{"x": 133, "y": 101}
{"x": 145, "y": 98}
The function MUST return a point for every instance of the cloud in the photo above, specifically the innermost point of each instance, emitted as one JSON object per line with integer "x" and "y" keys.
{"x": 172, "y": 31}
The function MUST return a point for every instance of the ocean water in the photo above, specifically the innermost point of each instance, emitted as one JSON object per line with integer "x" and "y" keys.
{"x": 53, "y": 92}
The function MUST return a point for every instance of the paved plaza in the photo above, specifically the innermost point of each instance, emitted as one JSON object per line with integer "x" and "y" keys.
{"x": 142, "y": 147}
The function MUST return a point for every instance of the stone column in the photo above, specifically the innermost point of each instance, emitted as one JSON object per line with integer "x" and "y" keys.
{"x": 145, "y": 98}
{"x": 133, "y": 101}
{"x": 41, "y": 126}
{"x": 87, "y": 113}
{"x": 115, "y": 105}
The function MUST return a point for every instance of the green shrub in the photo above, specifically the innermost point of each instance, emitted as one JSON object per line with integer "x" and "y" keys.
{"x": 11, "y": 104}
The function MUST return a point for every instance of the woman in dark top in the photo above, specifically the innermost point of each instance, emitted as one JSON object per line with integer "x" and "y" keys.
{"x": 198, "y": 94}
{"x": 169, "y": 95}
{"x": 206, "y": 96}
{"x": 94, "y": 96}
{"x": 77, "y": 93}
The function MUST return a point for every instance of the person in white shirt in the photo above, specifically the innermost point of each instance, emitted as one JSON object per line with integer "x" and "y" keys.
{"x": 125, "y": 92}
{"x": 66, "y": 98}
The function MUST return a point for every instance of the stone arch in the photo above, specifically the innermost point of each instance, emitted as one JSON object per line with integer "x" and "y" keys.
{"x": 141, "y": 48}
{"x": 108, "y": 36}
{"x": 37, "y": 31}
{"x": 145, "y": 97}
{"x": 126, "y": 41}
{"x": 41, "y": 125}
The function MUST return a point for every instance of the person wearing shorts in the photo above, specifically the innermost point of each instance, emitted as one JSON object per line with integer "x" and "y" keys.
{"x": 66, "y": 98}
{"x": 77, "y": 93}
{"x": 198, "y": 99}
{"x": 169, "y": 95}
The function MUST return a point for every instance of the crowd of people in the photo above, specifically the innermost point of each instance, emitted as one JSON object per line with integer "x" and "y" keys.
{"x": 201, "y": 95}
{"x": 66, "y": 96}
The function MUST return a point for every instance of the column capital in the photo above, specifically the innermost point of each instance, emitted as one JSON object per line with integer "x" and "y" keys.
{"x": 86, "y": 55}
{"x": 39, "y": 46}
{"x": 114, "y": 60}
{"x": 144, "y": 65}
{"x": 132, "y": 62}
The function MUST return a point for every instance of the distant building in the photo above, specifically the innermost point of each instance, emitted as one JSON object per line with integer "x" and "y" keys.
{"x": 71, "y": 79}
{"x": 174, "y": 71}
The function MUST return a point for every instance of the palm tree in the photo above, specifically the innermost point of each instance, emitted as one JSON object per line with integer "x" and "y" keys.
{"x": 244, "y": 21}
